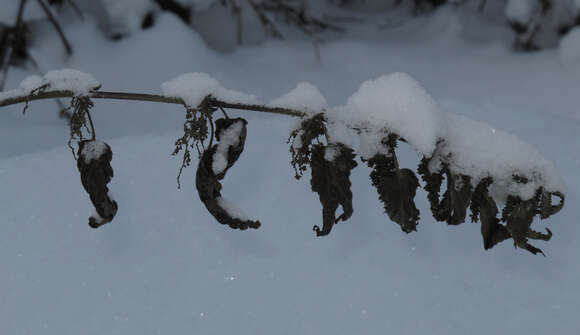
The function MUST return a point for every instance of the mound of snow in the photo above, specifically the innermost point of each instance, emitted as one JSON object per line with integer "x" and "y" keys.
{"x": 570, "y": 46}
{"x": 305, "y": 97}
{"x": 194, "y": 87}
{"x": 397, "y": 103}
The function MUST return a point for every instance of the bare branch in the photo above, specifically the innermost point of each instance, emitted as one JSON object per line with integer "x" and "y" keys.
{"x": 57, "y": 27}
{"x": 14, "y": 37}
{"x": 147, "y": 97}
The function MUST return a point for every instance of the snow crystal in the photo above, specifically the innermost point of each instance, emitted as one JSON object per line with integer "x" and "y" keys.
{"x": 92, "y": 150}
{"x": 232, "y": 209}
{"x": 478, "y": 150}
{"x": 228, "y": 137}
{"x": 194, "y": 87}
{"x": 522, "y": 11}
{"x": 397, "y": 103}
{"x": 570, "y": 46}
{"x": 305, "y": 97}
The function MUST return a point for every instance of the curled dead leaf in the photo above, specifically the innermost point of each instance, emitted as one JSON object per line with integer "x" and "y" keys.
{"x": 94, "y": 164}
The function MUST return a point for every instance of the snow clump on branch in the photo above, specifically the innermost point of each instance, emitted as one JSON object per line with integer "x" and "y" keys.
{"x": 75, "y": 81}
{"x": 192, "y": 88}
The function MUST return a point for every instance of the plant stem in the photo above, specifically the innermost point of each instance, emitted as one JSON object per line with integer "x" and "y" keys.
{"x": 56, "y": 26}
{"x": 150, "y": 98}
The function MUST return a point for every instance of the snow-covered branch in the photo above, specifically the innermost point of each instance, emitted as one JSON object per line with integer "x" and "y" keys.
{"x": 482, "y": 166}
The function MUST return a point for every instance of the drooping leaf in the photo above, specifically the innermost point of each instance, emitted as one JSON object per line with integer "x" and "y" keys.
{"x": 483, "y": 207}
{"x": 232, "y": 132}
{"x": 519, "y": 219}
{"x": 457, "y": 197}
{"x": 94, "y": 164}
{"x": 331, "y": 180}
{"x": 546, "y": 207}
{"x": 452, "y": 208}
{"x": 396, "y": 188}
{"x": 433, "y": 181}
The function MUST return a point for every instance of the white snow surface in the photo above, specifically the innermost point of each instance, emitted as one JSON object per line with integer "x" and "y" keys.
{"x": 228, "y": 137}
{"x": 305, "y": 97}
{"x": 194, "y": 87}
{"x": 570, "y": 47}
{"x": 93, "y": 150}
{"x": 164, "y": 266}
{"x": 522, "y": 11}
{"x": 232, "y": 209}
{"x": 126, "y": 16}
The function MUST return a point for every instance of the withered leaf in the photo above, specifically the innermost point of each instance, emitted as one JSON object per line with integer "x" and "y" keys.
{"x": 457, "y": 197}
{"x": 452, "y": 208}
{"x": 433, "y": 183}
{"x": 94, "y": 164}
{"x": 331, "y": 180}
{"x": 519, "y": 219}
{"x": 546, "y": 207}
{"x": 483, "y": 207}
{"x": 309, "y": 131}
{"x": 207, "y": 181}
{"x": 396, "y": 188}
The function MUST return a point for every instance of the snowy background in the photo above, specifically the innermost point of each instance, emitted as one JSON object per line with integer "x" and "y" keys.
{"x": 164, "y": 266}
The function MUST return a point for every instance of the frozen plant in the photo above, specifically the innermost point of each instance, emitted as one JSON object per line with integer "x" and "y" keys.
{"x": 482, "y": 167}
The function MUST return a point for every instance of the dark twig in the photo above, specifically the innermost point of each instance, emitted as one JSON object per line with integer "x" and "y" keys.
{"x": 56, "y": 26}
{"x": 76, "y": 8}
{"x": 14, "y": 37}
{"x": 265, "y": 20}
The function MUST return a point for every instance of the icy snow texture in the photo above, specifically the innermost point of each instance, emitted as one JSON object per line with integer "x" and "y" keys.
{"x": 232, "y": 209}
{"x": 338, "y": 132}
{"x": 305, "y": 97}
{"x": 570, "y": 46}
{"x": 228, "y": 137}
{"x": 194, "y": 87}
{"x": 78, "y": 82}
{"x": 92, "y": 150}
{"x": 522, "y": 11}
{"x": 398, "y": 103}
{"x": 478, "y": 150}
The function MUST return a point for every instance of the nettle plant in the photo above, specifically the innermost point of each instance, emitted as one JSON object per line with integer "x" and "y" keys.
{"x": 481, "y": 166}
